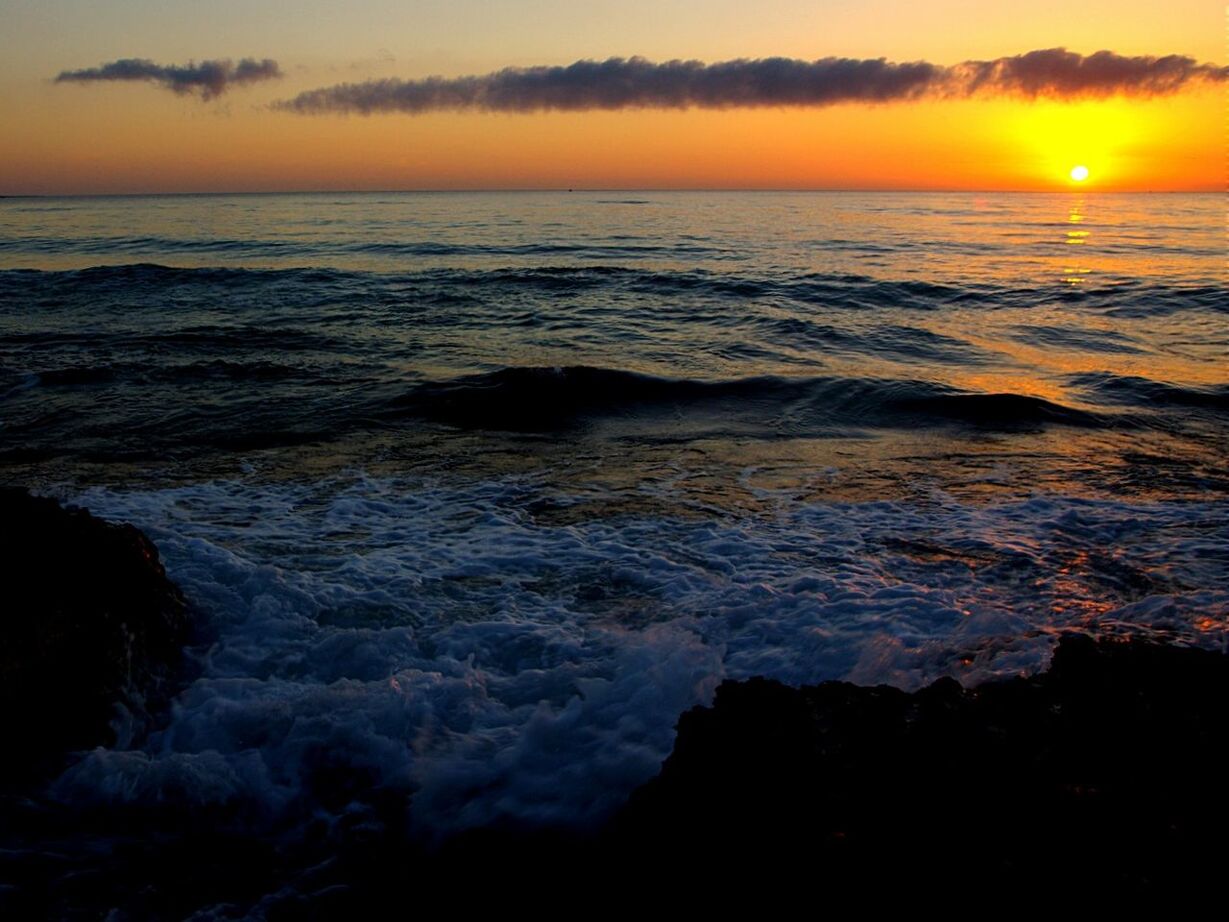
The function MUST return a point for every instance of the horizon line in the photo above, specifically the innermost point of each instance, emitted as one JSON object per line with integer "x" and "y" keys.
{"x": 620, "y": 190}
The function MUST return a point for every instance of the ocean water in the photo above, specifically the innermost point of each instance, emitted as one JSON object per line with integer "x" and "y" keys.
{"x": 474, "y": 494}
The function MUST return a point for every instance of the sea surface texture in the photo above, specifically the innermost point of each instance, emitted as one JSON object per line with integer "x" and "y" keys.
{"x": 474, "y": 494}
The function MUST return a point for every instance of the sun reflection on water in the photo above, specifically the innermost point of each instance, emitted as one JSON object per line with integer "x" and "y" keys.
{"x": 1075, "y": 275}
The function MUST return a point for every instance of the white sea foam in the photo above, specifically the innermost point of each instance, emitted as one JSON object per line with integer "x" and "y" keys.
{"x": 438, "y": 639}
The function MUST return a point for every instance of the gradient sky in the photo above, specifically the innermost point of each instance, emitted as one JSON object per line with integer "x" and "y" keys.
{"x": 137, "y": 137}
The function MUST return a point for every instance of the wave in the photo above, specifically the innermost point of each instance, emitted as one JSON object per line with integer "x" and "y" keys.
{"x": 282, "y": 249}
{"x": 1134, "y": 391}
{"x": 217, "y": 369}
{"x": 148, "y": 359}
{"x": 898, "y": 343}
{"x": 546, "y": 399}
{"x": 1125, "y": 299}
{"x": 125, "y": 413}
{"x": 133, "y": 421}
{"x": 1078, "y": 339}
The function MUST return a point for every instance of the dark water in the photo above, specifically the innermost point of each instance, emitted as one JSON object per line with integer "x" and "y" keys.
{"x": 483, "y": 491}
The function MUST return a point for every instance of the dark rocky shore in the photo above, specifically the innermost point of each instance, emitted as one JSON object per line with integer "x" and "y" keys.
{"x": 1104, "y": 771}
{"x": 1103, "y": 775}
{"x": 93, "y": 631}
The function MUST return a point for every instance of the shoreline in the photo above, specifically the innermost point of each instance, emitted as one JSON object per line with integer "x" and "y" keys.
{"x": 1095, "y": 767}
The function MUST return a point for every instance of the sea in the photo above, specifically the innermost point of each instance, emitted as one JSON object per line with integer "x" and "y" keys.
{"x": 473, "y": 494}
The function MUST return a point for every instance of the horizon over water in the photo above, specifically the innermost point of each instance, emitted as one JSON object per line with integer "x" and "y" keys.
{"x": 1072, "y": 189}
{"x": 473, "y": 494}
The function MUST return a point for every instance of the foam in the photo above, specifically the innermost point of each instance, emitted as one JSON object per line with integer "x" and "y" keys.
{"x": 436, "y": 639}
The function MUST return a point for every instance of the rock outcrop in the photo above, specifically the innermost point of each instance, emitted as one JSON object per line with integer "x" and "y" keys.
{"x": 91, "y": 632}
{"x": 1106, "y": 771}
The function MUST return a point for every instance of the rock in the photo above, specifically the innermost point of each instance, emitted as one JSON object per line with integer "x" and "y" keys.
{"x": 91, "y": 635}
{"x": 1104, "y": 772}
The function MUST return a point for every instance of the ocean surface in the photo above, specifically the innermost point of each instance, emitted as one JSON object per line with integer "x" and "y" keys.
{"x": 474, "y": 494}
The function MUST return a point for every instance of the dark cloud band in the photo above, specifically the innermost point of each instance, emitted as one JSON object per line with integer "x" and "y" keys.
{"x": 208, "y": 78}
{"x": 1056, "y": 72}
{"x": 630, "y": 83}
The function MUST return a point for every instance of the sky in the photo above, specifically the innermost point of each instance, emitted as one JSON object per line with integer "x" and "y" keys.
{"x": 183, "y": 96}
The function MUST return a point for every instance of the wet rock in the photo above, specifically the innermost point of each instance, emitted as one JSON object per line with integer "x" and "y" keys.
{"x": 91, "y": 631}
{"x": 1105, "y": 772}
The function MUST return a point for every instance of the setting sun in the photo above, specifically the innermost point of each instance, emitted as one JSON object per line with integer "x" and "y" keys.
{"x": 1079, "y": 173}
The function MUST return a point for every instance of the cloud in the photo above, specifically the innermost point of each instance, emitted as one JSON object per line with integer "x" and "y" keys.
{"x": 208, "y": 78}
{"x": 635, "y": 83}
{"x": 1056, "y": 72}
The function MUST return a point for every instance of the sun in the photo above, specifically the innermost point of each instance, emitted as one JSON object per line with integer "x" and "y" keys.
{"x": 1079, "y": 173}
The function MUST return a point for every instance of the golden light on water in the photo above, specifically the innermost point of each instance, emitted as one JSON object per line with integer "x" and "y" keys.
{"x": 1079, "y": 173}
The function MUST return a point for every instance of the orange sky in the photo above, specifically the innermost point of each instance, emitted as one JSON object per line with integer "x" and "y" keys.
{"x": 132, "y": 137}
